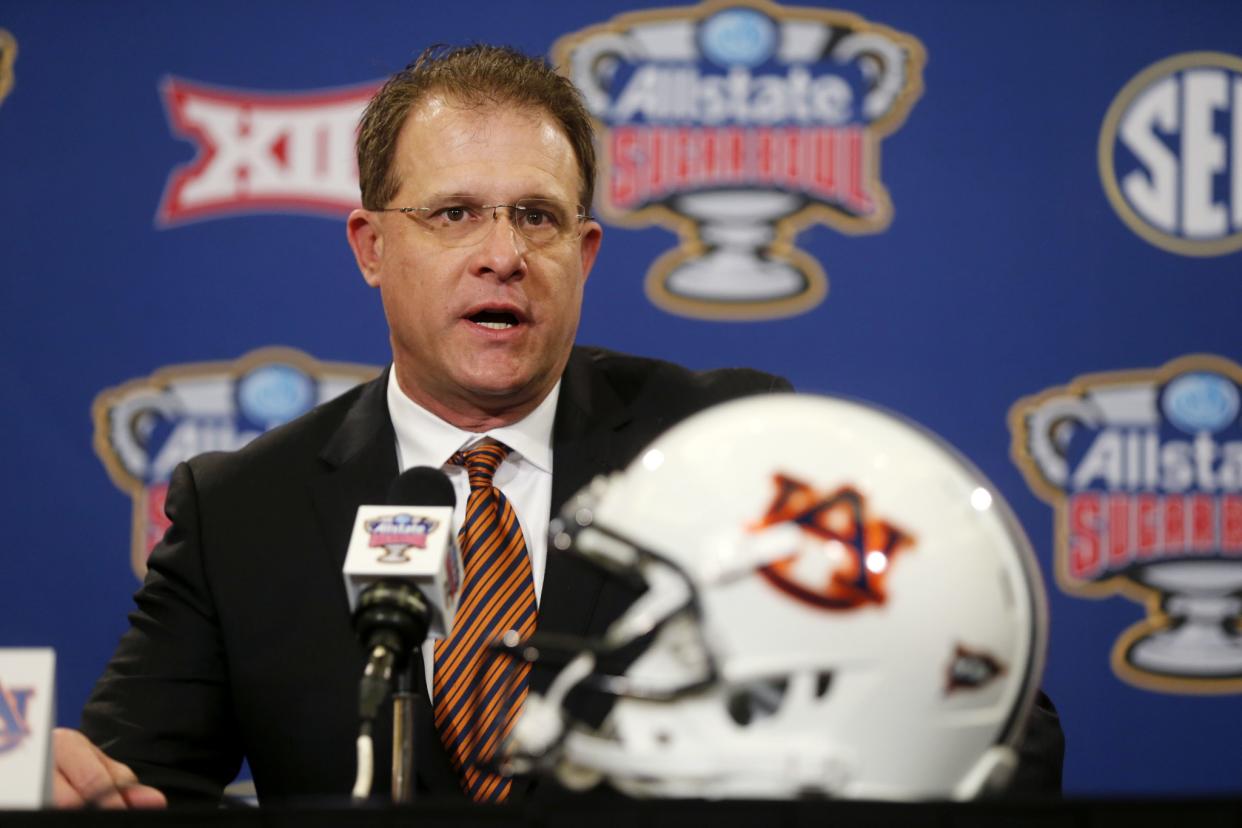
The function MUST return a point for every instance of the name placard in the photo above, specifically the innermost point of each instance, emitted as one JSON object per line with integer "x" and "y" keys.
{"x": 27, "y": 711}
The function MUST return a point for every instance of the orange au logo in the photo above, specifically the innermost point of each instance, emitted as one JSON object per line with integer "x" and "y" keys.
{"x": 8, "y": 57}
{"x": 1144, "y": 470}
{"x": 1170, "y": 163}
{"x": 145, "y": 427}
{"x": 859, "y": 548}
{"x": 737, "y": 123}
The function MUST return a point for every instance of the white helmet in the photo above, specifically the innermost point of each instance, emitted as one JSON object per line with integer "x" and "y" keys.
{"x": 836, "y": 604}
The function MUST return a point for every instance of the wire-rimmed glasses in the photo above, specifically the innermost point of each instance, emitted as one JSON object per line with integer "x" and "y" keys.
{"x": 461, "y": 223}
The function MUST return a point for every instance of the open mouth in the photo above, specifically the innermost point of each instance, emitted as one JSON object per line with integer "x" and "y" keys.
{"x": 494, "y": 320}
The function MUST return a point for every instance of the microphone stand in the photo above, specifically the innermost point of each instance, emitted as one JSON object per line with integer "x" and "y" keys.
{"x": 391, "y": 620}
{"x": 403, "y": 733}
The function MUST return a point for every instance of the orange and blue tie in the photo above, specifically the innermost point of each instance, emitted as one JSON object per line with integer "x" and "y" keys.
{"x": 479, "y": 693}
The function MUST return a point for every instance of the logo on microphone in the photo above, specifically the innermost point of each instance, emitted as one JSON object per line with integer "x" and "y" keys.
{"x": 398, "y": 533}
{"x": 14, "y": 727}
{"x": 737, "y": 123}
{"x": 1144, "y": 470}
{"x": 1169, "y": 160}
{"x": 846, "y": 555}
{"x": 145, "y": 427}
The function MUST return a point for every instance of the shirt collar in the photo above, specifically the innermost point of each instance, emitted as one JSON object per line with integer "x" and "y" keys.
{"x": 423, "y": 439}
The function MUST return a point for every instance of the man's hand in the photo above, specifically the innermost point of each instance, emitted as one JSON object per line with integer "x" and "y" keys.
{"x": 83, "y": 775}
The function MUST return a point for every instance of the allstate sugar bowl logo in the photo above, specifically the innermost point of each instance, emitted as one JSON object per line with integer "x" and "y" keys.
{"x": 145, "y": 427}
{"x": 738, "y": 124}
{"x": 396, "y": 534}
{"x": 1169, "y": 158}
{"x": 1145, "y": 471}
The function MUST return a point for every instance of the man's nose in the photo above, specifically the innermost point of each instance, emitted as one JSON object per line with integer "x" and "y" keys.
{"x": 503, "y": 250}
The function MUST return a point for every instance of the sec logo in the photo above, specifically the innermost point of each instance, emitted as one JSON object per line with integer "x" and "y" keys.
{"x": 1170, "y": 154}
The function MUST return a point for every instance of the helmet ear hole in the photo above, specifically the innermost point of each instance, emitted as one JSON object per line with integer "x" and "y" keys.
{"x": 756, "y": 701}
{"x": 739, "y": 708}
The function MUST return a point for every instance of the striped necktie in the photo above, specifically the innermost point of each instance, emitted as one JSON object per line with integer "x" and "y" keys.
{"x": 478, "y": 693}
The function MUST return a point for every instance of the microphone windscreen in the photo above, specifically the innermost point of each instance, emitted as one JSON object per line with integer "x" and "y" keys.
{"x": 422, "y": 486}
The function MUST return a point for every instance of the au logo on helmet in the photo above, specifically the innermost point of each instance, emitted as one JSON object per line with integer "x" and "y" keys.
{"x": 1144, "y": 469}
{"x": 145, "y": 427}
{"x": 849, "y": 571}
{"x": 737, "y": 123}
{"x": 1170, "y": 154}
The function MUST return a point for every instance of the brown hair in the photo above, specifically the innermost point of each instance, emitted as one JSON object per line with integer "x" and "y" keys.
{"x": 476, "y": 75}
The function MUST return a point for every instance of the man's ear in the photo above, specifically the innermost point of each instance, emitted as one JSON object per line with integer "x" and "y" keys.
{"x": 367, "y": 241}
{"x": 592, "y": 235}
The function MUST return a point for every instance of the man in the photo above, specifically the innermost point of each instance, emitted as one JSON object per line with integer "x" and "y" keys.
{"x": 477, "y": 172}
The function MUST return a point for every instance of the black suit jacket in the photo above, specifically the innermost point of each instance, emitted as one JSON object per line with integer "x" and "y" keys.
{"x": 241, "y": 643}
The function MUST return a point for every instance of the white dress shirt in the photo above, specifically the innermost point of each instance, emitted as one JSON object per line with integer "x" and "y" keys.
{"x": 525, "y": 476}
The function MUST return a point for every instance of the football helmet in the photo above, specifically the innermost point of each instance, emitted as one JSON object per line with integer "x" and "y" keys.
{"x": 833, "y": 603}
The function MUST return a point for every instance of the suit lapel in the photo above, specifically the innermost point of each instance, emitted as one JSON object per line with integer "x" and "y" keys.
{"x": 589, "y": 438}
{"x": 589, "y": 416}
{"x": 361, "y": 462}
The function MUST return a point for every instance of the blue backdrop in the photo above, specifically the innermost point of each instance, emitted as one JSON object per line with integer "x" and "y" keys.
{"x": 991, "y": 217}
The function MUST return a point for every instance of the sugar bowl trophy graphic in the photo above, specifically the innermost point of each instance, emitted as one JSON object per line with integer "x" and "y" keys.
{"x": 1145, "y": 472}
{"x": 397, "y": 534}
{"x": 146, "y": 426}
{"x": 737, "y": 124}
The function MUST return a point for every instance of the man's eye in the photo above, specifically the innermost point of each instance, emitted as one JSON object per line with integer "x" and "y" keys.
{"x": 535, "y": 216}
{"x": 452, "y": 214}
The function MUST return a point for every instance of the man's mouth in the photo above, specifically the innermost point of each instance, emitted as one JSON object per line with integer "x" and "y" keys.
{"x": 494, "y": 319}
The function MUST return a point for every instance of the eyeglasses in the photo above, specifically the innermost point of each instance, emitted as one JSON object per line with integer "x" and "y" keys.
{"x": 461, "y": 223}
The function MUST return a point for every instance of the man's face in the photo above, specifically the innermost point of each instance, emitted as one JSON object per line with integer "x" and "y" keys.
{"x": 481, "y": 332}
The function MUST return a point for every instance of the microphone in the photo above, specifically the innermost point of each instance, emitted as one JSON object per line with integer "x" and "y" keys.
{"x": 403, "y": 571}
{"x": 403, "y": 576}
